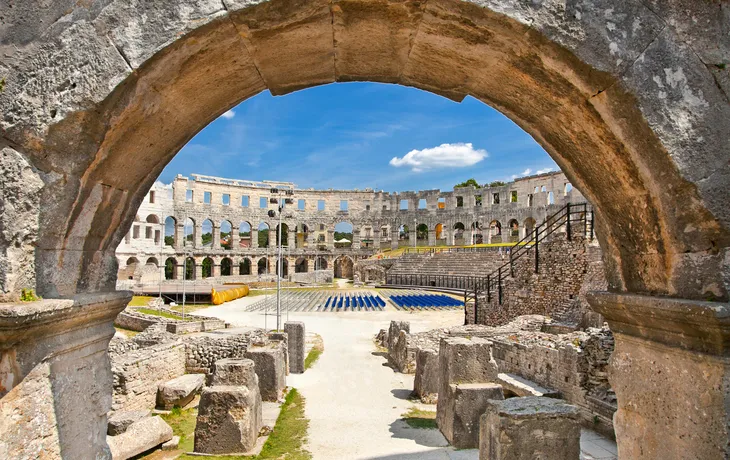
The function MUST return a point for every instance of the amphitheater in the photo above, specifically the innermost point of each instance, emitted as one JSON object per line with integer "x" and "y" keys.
{"x": 632, "y": 101}
{"x": 241, "y": 237}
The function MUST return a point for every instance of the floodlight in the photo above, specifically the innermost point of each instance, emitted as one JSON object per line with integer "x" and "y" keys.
{"x": 271, "y": 213}
{"x": 274, "y": 190}
{"x": 273, "y": 200}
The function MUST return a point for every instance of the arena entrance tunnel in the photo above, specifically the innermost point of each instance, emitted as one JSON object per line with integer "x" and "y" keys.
{"x": 630, "y": 101}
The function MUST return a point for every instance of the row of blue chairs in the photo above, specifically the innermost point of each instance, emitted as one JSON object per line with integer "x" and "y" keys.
{"x": 421, "y": 301}
{"x": 355, "y": 302}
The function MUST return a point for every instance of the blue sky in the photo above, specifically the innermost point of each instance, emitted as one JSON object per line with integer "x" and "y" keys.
{"x": 358, "y": 135}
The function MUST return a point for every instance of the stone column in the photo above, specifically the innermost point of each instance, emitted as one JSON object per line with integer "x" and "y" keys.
{"x": 179, "y": 238}
{"x": 235, "y": 238}
{"x": 254, "y": 239}
{"x": 376, "y": 239}
{"x": 291, "y": 239}
{"x": 198, "y": 236}
{"x": 215, "y": 268}
{"x": 449, "y": 236}
{"x": 58, "y": 376}
{"x": 296, "y": 342}
{"x": 670, "y": 370}
{"x": 432, "y": 237}
{"x": 330, "y": 239}
{"x": 198, "y": 270}
{"x": 355, "y": 239}
{"x": 468, "y": 237}
{"x": 179, "y": 270}
{"x": 412, "y": 235}
{"x": 394, "y": 235}
{"x": 216, "y": 237}
{"x": 309, "y": 236}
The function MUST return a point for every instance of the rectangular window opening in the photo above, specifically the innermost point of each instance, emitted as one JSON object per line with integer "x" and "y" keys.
{"x": 152, "y": 196}
{"x": 441, "y": 203}
{"x": 459, "y": 201}
{"x": 320, "y": 205}
{"x": 263, "y": 202}
{"x": 207, "y": 197}
{"x": 404, "y": 205}
{"x": 226, "y": 199}
{"x": 344, "y": 205}
{"x": 495, "y": 198}
{"x": 300, "y": 205}
{"x": 244, "y": 201}
{"x": 478, "y": 200}
{"x": 422, "y": 204}
{"x": 513, "y": 196}
{"x": 188, "y": 196}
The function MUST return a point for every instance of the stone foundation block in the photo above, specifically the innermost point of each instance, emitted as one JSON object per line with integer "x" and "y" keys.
{"x": 426, "y": 383}
{"x": 234, "y": 372}
{"x": 141, "y": 436}
{"x": 463, "y": 406}
{"x": 179, "y": 391}
{"x": 394, "y": 330}
{"x": 283, "y": 337}
{"x": 229, "y": 420}
{"x": 270, "y": 369}
{"x": 530, "y": 427}
{"x": 295, "y": 332}
{"x": 119, "y": 421}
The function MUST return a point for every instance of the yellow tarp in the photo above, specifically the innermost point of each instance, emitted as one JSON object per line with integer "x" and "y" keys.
{"x": 228, "y": 295}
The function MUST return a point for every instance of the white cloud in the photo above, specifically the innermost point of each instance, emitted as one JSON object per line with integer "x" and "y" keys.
{"x": 458, "y": 155}
{"x": 526, "y": 172}
{"x": 228, "y": 114}
{"x": 544, "y": 171}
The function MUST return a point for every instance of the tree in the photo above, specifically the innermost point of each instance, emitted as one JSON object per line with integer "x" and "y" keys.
{"x": 169, "y": 269}
{"x": 206, "y": 238}
{"x": 496, "y": 183}
{"x": 468, "y": 182}
{"x": 169, "y": 241}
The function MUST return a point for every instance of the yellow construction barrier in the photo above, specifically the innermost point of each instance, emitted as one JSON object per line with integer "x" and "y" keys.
{"x": 228, "y": 295}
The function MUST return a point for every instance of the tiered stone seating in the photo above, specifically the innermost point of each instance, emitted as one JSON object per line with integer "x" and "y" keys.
{"x": 450, "y": 263}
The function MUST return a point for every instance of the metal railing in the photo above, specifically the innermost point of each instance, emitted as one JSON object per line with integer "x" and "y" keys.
{"x": 565, "y": 218}
{"x": 461, "y": 282}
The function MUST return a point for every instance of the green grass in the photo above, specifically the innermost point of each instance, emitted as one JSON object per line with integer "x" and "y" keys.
{"x": 314, "y": 353}
{"x": 189, "y": 308}
{"x": 417, "y": 418}
{"x": 286, "y": 441}
{"x": 139, "y": 301}
{"x": 164, "y": 314}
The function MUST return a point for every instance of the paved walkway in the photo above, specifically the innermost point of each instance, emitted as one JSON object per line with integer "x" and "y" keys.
{"x": 355, "y": 401}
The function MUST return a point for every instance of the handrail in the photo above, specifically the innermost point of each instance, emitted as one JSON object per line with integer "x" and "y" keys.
{"x": 550, "y": 225}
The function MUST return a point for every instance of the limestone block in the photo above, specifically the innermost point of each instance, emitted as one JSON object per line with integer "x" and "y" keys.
{"x": 394, "y": 330}
{"x": 296, "y": 336}
{"x": 179, "y": 391}
{"x": 234, "y": 371}
{"x": 119, "y": 421}
{"x": 283, "y": 338}
{"x": 172, "y": 444}
{"x": 463, "y": 405}
{"x": 270, "y": 369}
{"x": 229, "y": 420}
{"x": 426, "y": 383}
{"x": 141, "y": 436}
{"x": 530, "y": 427}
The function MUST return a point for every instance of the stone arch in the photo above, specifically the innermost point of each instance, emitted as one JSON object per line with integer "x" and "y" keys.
{"x": 171, "y": 232}
{"x": 226, "y": 234}
{"x": 244, "y": 267}
{"x": 459, "y": 229}
{"x": 170, "y": 268}
{"x": 495, "y": 232}
{"x": 320, "y": 263}
{"x": 345, "y": 232}
{"x": 514, "y": 230}
{"x": 301, "y": 265}
{"x": 439, "y": 232}
{"x": 152, "y": 219}
{"x": 284, "y": 267}
{"x": 244, "y": 232}
{"x": 264, "y": 234}
{"x": 207, "y": 228}
{"x": 343, "y": 267}
{"x": 284, "y": 234}
{"x": 189, "y": 268}
{"x": 226, "y": 267}
{"x": 528, "y": 226}
{"x": 262, "y": 266}
{"x": 302, "y": 233}
{"x": 422, "y": 234}
{"x": 190, "y": 230}
{"x": 207, "y": 265}
{"x": 152, "y": 261}
{"x": 635, "y": 116}
{"x": 476, "y": 233}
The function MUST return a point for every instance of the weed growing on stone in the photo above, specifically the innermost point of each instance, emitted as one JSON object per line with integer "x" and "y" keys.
{"x": 28, "y": 295}
{"x": 314, "y": 353}
{"x": 417, "y": 418}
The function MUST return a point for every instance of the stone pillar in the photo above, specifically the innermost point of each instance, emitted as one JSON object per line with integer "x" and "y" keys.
{"x": 198, "y": 270}
{"x": 412, "y": 236}
{"x": 670, "y": 371}
{"x": 57, "y": 376}
{"x": 270, "y": 369}
{"x": 254, "y": 239}
{"x": 179, "y": 236}
{"x": 309, "y": 236}
{"x": 432, "y": 237}
{"x": 449, "y": 236}
{"x": 376, "y": 239}
{"x": 215, "y": 269}
{"x": 198, "y": 236}
{"x": 330, "y": 239}
{"x": 468, "y": 237}
{"x": 291, "y": 238}
{"x": 179, "y": 270}
{"x": 235, "y": 238}
{"x": 394, "y": 235}
{"x": 296, "y": 341}
{"x": 216, "y": 236}
{"x": 355, "y": 239}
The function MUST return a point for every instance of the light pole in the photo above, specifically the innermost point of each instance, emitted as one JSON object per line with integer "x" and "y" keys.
{"x": 415, "y": 234}
{"x": 279, "y": 265}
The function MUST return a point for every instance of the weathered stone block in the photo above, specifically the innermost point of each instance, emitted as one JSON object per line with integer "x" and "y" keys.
{"x": 234, "y": 371}
{"x": 464, "y": 405}
{"x": 394, "y": 330}
{"x": 296, "y": 337}
{"x": 426, "y": 383}
{"x": 179, "y": 391}
{"x": 141, "y": 436}
{"x": 229, "y": 420}
{"x": 270, "y": 369}
{"x": 172, "y": 444}
{"x": 119, "y": 421}
{"x": 530, "y": 427}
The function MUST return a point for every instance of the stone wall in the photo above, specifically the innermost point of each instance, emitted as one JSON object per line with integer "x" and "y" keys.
{"x": 202, "y": 352}
{"x": 567, "y": 271}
